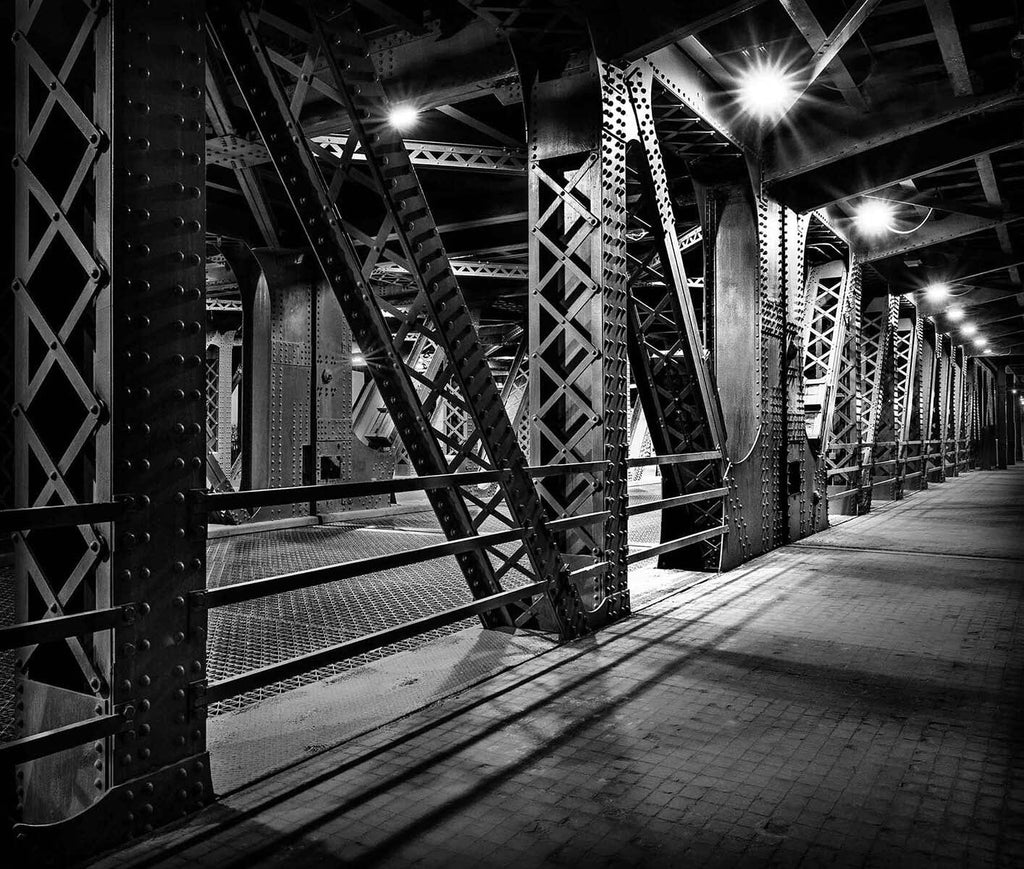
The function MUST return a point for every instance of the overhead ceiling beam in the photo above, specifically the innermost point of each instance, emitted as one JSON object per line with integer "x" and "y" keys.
{"x": 826, "y": 52}
{"x": 972, "y": 298}
{"x": 897, "y": 161}
{"x": 811, "y": 30}
{"x": 909, "y": 195}
{"x": 624, "y": 32}
{"x": 948, "y": 35}
{"x": 932, "y": 233}
{"x": 815, "y": 138}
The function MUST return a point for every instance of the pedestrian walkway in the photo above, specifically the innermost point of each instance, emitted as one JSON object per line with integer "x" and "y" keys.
{"x": 851, "y": 700}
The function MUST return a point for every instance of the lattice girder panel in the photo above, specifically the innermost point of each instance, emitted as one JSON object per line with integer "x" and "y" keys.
{"x": 905, "y": 353}
{"x": 578, "y": 388}
{"x": 368, "y": 217}
{"x": 876, "y": 337}
{"x": 842, "y": 441}
{"x": 110, "y": 399}
{"x": 674, "y": 384}
{"x": 801, "y": 484}
{"x": 882, "y": 433}
{"x": 825, "y": 318}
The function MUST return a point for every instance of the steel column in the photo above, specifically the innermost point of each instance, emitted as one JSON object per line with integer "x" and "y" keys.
{"x": 674, "y": 385}
{"x": 112, "y": 287}
{"x": 577, "y": 312}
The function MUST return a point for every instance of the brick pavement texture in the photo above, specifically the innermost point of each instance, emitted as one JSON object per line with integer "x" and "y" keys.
{"x": 818, "y": 707}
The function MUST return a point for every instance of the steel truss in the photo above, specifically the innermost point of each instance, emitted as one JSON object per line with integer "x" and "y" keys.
{"x": 674, "y": 385}
{"x": 349, "y": 240}
{"x": 577, "y": 318}
{"x": 800, "y": 477}
{"x": 879, "y": 324}
{"x": 109, "y": 399}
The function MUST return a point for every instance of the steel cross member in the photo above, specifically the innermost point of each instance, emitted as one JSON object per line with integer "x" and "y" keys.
{"x": 439, "y": 309}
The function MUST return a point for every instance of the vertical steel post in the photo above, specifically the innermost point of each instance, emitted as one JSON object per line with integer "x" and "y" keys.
{"x": 577, "y": 313}
{"x": 1003, "y": 424}
{"x": 126, "y": 358}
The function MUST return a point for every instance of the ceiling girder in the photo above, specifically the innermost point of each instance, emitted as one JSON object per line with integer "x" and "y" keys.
{"x": 933, "y": 232}
{"x": 789, "y": 156}
{"x": 898, "y": 160}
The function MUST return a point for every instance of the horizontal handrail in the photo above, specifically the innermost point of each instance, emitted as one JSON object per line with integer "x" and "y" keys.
{"x": 257, "y": 588}
{"x": 678, "y": 543}
{"x": 60, "y": 738}
{"x": 264, "y": 676}
{"x": 60, "y": 627}
{"x": 836, "y": 496}
{"x": 674, "y": 459}
{"x": 330, "y": 491}
{"x": 59, "y": 515}
{"x": 848, "y": 469}
{"x": 875, "y": 483}
{"x": 675, "y": 501}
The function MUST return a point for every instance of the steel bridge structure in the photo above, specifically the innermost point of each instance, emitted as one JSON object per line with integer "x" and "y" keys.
{"x": 241, "y": 293}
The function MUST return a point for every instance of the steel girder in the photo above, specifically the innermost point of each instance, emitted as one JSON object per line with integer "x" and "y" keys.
{"x": 800, "y": 465}
{"x": 825, "y": 323}
{"x": 577, "y": 316}
{"x": 348, "y": 243}
{"x": 930, "y": 368}
{"x": 668, "y": 360}
{"x": 238, "y": 153}
{"x": 878, "y": 429}
{"x": 878, "y": 322}
{"x": 109, "y": 400}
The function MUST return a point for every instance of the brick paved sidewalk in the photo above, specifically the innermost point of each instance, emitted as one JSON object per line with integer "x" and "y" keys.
{"x": 819, "y": 707}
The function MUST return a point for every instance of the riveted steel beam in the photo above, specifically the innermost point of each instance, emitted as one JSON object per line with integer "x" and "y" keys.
{"x": 115, "y": 404}
{"x": 668, "y": 361}
{"x": 578, "y": 388}
{"x": 913, "y": 155}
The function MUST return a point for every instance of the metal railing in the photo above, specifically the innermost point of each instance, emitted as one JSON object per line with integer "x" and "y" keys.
{"x": 676, "y": 501}
{"x": 60, "y": 627}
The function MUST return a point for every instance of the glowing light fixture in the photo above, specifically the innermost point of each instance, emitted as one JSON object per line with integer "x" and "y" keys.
{"x": 874, "y": 216}
{"x": 980, "y": 342}
{"x": 936, "y": 292}
{"x": 968, "y": 329}
{"x": 765, "y": 90}
{"x": 988, "y": 349}
{"x": 403, "y": 117}
{"x": 954, "y": 313}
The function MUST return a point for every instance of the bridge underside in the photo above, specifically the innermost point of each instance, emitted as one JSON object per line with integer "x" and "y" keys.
{"x": 347, "y": 336}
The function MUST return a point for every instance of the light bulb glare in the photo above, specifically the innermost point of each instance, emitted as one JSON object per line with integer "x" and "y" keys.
{"x": 968, "y": 329}
{"x": 874, "y": 217}
{"x": 936, "y": 292}
{"x": 954, "y": 313}
{"x": 403, "y": 117}
{"x": 765, "y": 90}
